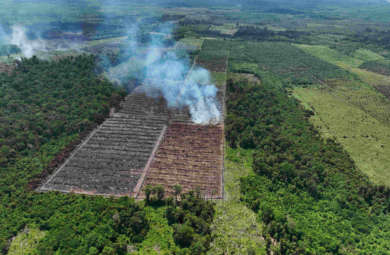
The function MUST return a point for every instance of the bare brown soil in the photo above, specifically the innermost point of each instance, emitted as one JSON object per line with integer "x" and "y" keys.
{"x": 191, "y": 156}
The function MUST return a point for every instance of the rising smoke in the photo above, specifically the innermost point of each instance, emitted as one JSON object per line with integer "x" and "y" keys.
{"x": 170, "y": 75}
{"x": 155, "y": 63}
{"x": 180, "y": 85}
{"x": 28, "y": 47}
{"x": 31, "y": 44}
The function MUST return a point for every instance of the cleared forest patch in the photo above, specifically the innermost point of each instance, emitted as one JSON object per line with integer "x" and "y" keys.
{"x": 112, "y": 159}
{"x": 135, "y": 147}
{"x": 190, "y": 156}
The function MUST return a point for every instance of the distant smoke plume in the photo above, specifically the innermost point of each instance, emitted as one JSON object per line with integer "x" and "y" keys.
{"x": 171, "y": 76}
{"x": 28, "y": 47}
{"x": 31, "y": 43}
{"x": 148, "y": 56}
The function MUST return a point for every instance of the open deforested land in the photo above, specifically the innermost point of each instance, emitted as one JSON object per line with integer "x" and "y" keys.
{"x": 125, "y": 152}
{"x": 133, "y": 149}
{"x": 190, "y": 156}
{"x": 113, "y": 158}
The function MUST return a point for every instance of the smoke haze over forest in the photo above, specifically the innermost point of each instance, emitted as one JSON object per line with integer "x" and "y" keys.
{"x": 153, "y": 62}
{"x": 64, "y": 25}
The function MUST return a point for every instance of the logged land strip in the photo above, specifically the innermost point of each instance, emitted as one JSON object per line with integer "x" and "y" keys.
{"x": 191, "y": 156}
{"x": 147, "y": 167}
{"x": 145, "y": 143}
{"x": 112, "y": 160}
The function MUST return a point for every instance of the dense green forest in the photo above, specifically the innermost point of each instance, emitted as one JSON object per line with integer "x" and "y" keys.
{"x": 306, "y": 189}
{"x": 44, "y": 107}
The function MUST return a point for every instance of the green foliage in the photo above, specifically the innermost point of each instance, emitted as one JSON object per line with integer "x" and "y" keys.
{"x": 235, "y": 229}
{"x": 79, "y": 224}
{"x": 264, "y": 34}
{"x": 25, "y": 243}
{"x": 154, "y": 194}
{"x": 378, "y": 66}
{"x": 44, "y": 107}
{"x": 306, "y": 190}
{"x": 213, "y": 55}
{"x": 290, "y": 63}
{"x": 191, "y": 217}
{"x": 159, "y": 239}
{"x": 44, "y": 100}
{"x": 283, "y": 59}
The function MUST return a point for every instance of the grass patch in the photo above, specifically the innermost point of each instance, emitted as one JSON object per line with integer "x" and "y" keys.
{"x": 330, "y": 55}
{"x": 104, "y": 41}
{"x": 218, "y": 78}
{"x": 226, "y": 29}
{"x": 367, "y": 55}
{"x": 159, "y": 239}
{"x": 26, "y": 242}
{"x": 348, "y": 63}
{"x": 356, "y": 117}
{"x": 191, "y": 43}
{"x": 235, "y": 228}
{"x": 213, "y": 55}
{"x": 290, "y": 63}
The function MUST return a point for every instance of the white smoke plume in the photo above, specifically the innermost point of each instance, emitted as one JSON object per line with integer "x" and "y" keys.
{"x": 173, "y": 77}
{"x": 167, "y": 74}
{"x": 18, "y": 36}
{"x": 156, "y": 63}
{"x": 28, "y": 47}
